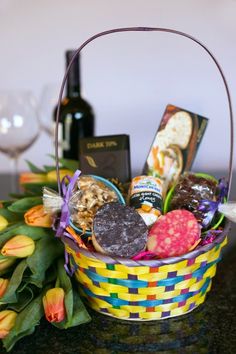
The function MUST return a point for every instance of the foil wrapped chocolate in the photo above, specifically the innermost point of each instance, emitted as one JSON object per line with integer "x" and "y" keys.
{"x": 189, "y": 192}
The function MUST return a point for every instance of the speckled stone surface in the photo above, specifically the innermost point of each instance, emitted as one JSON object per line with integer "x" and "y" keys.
{"x": 211, "y": 328}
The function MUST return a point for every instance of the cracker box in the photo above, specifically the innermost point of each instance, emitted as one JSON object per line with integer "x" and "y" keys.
{"x": 175, "y": 144}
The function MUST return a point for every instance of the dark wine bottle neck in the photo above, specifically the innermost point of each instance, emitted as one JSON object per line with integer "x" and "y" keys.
{"x": 73, "y": 81}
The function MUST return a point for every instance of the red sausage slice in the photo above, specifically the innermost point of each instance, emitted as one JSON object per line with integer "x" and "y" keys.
{"x": 173, "y": 234}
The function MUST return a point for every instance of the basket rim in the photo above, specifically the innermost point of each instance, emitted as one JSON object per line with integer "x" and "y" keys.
{"x": 151, "y": 263}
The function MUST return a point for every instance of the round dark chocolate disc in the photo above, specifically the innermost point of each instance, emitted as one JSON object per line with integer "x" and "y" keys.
{"x": 119, "y": 230}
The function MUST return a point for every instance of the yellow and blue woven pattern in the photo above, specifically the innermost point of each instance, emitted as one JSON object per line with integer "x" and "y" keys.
{"x": 150, "y": 290}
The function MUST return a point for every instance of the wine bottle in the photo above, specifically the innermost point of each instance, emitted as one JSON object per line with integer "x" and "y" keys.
{"x": 76, "y": 119}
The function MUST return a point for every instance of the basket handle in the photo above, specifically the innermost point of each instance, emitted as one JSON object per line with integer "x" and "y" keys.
{"x": 146, "y": 29}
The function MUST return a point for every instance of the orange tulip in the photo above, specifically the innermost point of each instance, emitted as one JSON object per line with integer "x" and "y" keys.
{"x": 52, "y": 175}
{"x": 37, "y": 216}
{"x": 20, "y": 246}
{"x": 30, "y": 177}
{"x": 3, "y": 223}
{"x": 7, "y": 321}
{"x": 3, "y": 286}
{"x": 53, "y": 303}
{"x": 6, "y": 263}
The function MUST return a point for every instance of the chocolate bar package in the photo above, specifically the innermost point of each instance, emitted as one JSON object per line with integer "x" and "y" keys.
{"x": 175, "y": 144}
{"x": 106, "y": 156}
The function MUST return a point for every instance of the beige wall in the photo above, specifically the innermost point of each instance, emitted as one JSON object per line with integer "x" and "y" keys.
{"x": 128, "y": 78}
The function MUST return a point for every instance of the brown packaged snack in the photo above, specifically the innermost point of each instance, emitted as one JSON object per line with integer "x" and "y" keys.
{"x": 89, "y": 197}
{"x": 175, "y": 144}
{"x": 190, "y": 190}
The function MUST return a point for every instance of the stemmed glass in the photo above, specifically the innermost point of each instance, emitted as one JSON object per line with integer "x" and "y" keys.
{"x": 47, "y": 104}
{"x": 19, "y": 126}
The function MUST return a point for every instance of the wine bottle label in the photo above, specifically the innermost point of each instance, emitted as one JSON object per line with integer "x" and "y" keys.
{"x": 68, "y": 122}
{"x": 63, "y": 144}
{"x": 60, "y": 138}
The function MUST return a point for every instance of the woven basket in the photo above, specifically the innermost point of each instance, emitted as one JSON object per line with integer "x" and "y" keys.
{"x": 154, "y": 289}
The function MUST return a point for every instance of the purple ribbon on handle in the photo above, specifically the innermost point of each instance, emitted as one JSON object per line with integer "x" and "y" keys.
{"x": 61, "y": 223}
{"x": 210, "y": 207}
{"x": 66, "y": 194}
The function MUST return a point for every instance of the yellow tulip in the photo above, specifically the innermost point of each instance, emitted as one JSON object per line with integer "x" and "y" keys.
{"x": 30, "y": 177}
{"x": 20, "y": 246}
{"x": 6, "y": 263}
{"x": 52, "y": 175}
{"x": 36, "y": 216}
{"x": 3, "y": 223}
{"x": 53, "y": 303}
{"x": 3, "y": 286}
{"x": 7, "y": 322}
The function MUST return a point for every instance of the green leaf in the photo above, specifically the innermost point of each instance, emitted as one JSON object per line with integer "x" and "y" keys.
{"x": 3, "y": 307}
{"x": 9, "y": 215}
{"x": 8, "y": 230}
{"x": 36, "y": 188}
{"x": 9, "y": 268}
{"x": 46, "y": 251}
{"x": 65, "y": 283}
{"x": 25, "y": 323}
{"x": 6, "y": 203}
{"x": 75, "y": 309}
{"x": 23, "y": 299}
{"x": 33, "y": 232}
{"x": 17, "y": 196}
{"x": 22, "y": 205}
{"x": 10, "y": 295}
{"x": 39, "y": 281}
{"x": 49, "y": 168}
{"x": 33, "y": 168}
{"x": 34, "y": 279}
{"x": 80, "y": 314}
{"x": 70, "y": 164}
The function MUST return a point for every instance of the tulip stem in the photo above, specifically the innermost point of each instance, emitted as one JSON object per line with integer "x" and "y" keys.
{"x": 57, "y": 285}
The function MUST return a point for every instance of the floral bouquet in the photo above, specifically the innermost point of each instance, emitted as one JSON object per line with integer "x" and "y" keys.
{"x": 33, "y": 279}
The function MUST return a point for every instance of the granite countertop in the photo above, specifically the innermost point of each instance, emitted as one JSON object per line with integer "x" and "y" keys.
{"x": 211, "y": 328}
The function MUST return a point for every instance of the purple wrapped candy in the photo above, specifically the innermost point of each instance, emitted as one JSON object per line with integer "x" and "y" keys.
{"x": 190, "y": 191}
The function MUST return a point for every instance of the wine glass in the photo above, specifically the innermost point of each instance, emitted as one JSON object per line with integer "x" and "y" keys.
{"x": 19, "y": 126}
{"x": 47, "y": 103}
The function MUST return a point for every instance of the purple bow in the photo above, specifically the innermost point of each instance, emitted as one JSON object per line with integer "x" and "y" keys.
{"x": 60, "y": 223}
{"x": 210, "y": 207}
{"x": 66, "y": 195}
